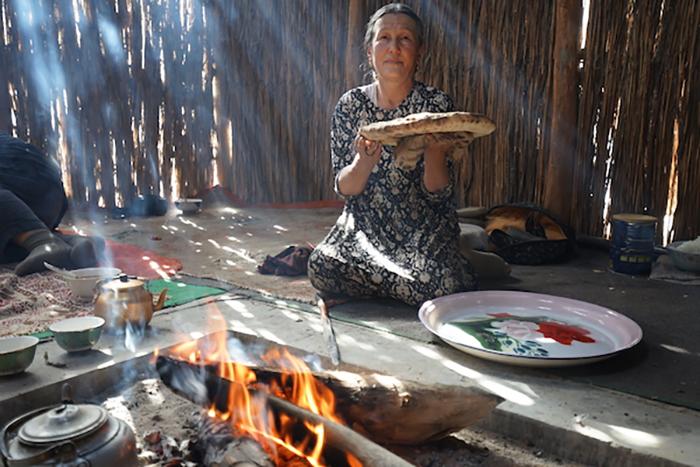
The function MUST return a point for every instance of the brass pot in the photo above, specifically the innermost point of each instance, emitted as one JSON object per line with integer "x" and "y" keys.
{"x": 126, "y": 300}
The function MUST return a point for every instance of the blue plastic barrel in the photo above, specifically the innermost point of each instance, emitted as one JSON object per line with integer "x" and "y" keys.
{"x": 632, "y": 249}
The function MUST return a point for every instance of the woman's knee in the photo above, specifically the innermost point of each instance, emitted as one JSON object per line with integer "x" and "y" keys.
{"x": 318, "y": 269}
{"x": 315, "y": 260}
{"x": 447, "y": 282}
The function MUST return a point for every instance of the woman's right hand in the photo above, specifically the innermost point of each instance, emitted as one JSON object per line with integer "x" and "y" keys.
{"x": 352, "y": 179}
{"x": 369, "y": 151}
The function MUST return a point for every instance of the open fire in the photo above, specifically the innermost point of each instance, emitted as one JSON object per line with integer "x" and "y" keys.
{"x": 247, "y": 410}
{"x": 242, "y": 403}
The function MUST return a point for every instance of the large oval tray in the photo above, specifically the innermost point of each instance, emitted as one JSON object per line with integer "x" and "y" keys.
{"x": 529, "y": 329}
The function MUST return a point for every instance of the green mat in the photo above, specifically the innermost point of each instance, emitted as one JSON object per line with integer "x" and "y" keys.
{"x": 180, "y": 293}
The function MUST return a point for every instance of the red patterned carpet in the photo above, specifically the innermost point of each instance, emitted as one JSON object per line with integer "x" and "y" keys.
{"x": 136, "y": 261}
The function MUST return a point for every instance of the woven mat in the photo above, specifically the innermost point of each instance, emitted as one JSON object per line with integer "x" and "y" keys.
{"x": 31, "y": 303}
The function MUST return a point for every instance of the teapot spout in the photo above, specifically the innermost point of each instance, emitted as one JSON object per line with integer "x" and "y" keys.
{"x": 161, "y": 300}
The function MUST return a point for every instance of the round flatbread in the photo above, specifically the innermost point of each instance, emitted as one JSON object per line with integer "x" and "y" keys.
{"x": 410, "y": 149}
{"x": 391, "y": 131}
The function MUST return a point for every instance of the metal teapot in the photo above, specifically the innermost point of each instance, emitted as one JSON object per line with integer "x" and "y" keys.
{"x": 71, "y": 435}
{"x": 125, "y": 300}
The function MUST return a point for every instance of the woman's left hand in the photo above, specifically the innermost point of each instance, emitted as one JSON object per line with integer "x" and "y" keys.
{"x": 435, "y": 176}
{"x": 435, "y": 147}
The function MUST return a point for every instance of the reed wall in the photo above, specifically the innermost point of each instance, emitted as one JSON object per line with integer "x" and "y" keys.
{"x": 172, "y": 97}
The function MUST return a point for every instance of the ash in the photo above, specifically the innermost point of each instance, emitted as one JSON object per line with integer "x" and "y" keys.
{"x": 163, "y": 422}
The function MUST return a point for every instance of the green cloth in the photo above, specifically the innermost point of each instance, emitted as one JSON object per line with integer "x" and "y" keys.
{"x": 179, "y": 292}
{"x": 43, "y": 335}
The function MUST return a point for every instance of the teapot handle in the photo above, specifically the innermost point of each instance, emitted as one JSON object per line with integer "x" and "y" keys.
{"x": 161, "y": 300}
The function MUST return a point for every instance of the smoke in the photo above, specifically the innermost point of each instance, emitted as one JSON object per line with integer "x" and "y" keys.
{"x": 111, "y": 38}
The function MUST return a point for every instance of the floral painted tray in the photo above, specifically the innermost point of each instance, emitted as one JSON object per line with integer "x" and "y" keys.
{"x": 529, "y": 329}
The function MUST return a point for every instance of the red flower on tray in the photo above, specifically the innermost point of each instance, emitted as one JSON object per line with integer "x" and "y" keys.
{"x": 564, "y": 334}
{"x": 501, "y": 315}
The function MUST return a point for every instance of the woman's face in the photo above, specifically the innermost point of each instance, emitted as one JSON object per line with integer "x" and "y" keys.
{"x": 394, "y": 50}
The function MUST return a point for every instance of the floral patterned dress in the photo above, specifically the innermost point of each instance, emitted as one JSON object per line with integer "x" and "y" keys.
{"x": 396, "y": 239}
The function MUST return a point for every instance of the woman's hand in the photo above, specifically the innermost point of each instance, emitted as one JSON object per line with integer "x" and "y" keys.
{"x": 369, "y": 151}
{"x": 435, "y": 176}
{"x": 352, "y": 179}
{"x": 436, "y": 147}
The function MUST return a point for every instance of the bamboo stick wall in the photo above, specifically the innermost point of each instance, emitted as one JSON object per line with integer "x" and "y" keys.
{"x": 639, "y": 127}
{"x": 172, "y": 97}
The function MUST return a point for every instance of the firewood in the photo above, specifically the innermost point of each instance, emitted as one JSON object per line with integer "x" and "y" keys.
{"x": 217, "y": 445}
{"x": 345, "y": 438}
{"x": 372, "y": 404}
{"x": 184, "y": 378}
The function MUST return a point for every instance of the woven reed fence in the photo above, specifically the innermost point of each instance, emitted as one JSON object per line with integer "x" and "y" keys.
{"x": 172, "y": 97}
{"x": 639, "y": 120}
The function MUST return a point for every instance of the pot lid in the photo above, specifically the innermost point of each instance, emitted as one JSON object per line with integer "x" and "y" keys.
{"x": 62, "y": 423}
{"x": 634, "y": 218}
{"x": 123, "y": 282}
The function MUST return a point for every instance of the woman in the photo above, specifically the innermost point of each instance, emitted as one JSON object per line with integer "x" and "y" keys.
{"x": 398, "y": 235}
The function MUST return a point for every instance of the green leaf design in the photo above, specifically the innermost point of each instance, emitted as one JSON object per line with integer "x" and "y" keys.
{"x": 491, "y": 338}
{"x": 479, "y": 331}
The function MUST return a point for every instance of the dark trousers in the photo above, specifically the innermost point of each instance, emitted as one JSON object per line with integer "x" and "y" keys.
{"x": 31, "y": 194}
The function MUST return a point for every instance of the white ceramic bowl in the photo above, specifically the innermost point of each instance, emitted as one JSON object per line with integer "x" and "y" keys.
{"x": 683, "y": 260}
{"x": 16, "y": 354}
{"x": 77, "y": 334}
{"x": 84, "y": 281}
{"x": 188, "y": 205}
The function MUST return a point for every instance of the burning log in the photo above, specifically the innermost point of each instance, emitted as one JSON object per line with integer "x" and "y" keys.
{"x": 371, "y": 404}
{"x": 217, "y": 445}
{"x": 202, "y": 385}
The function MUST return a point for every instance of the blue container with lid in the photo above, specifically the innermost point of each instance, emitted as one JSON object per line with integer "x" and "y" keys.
{"x": 632, "y": 249}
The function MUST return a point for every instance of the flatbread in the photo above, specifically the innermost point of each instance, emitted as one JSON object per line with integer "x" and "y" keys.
{"x": 391, "y": 131}
{"x": 410, "y": 149}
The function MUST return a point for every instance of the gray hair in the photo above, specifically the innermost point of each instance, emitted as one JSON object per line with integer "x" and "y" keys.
{"x": 391, "y": 8}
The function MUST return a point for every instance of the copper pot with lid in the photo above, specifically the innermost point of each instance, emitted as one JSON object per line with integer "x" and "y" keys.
{"x": 68, "y": 434}
{"x": 125, "y": 300}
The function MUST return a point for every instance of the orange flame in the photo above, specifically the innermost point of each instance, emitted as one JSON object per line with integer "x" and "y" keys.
{"x": 249, "y": 414}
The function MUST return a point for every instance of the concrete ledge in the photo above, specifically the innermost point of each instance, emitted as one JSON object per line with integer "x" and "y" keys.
{"x": 569, "y": 444}
{"x": 578, "y": 422}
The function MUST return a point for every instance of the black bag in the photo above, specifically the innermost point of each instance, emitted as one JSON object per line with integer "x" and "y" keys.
{"x": 527, "y": 234}
{"x": 292, "y": 261}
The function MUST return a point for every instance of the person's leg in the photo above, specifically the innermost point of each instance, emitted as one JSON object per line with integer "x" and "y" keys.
{"x": 430, "y": 280}
{"x": 22, "y": 227}
{"x": 85, "y": 252}
{"x": 32, "y": 203}
{"x": 43, "y": 246}
{"x": 335, "y": 278}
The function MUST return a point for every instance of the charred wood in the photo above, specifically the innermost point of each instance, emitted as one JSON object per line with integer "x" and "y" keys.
{"x": 203, "y": 386}
{"x": 217, "y": 445}
{"x": 370, "y": 403}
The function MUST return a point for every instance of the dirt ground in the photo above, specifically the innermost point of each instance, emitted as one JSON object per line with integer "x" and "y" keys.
{"x": 163, "y": 423}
